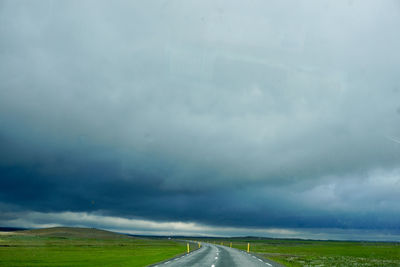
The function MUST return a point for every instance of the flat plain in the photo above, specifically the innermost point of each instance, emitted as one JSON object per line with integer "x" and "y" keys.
{"x": 63, "y": 246}
{"x": 320, "y": 253}
{"x": 83, "y": 247}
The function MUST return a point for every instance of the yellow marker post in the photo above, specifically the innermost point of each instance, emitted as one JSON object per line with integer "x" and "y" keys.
{"x": 230, "y": 245}
{"x": 199, "y": 245}
{"x": 248, "y": 247}
{"x": 187, "y": 245}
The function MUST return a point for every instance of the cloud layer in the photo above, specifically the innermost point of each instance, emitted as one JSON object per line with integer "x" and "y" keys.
{"x": 265, "y": 115}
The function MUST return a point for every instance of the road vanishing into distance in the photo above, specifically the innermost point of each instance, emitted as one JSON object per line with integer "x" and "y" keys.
{"x": 211, "y": 255}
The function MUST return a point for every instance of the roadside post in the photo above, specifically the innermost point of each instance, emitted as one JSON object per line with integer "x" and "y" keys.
{"x": 230, "y": 245}
{"x": 187, "y": 246}
{"x": 199, "y": 244}
{"x": 248, "y": 247}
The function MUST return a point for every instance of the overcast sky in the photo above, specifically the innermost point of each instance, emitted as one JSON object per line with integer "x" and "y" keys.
{"x": 272, "y": 118}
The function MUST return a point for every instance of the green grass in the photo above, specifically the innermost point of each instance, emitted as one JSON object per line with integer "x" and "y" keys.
{"x": 322, "y": 253}
{"x": 91, "y": 247}
{"x": 98, "y": 250}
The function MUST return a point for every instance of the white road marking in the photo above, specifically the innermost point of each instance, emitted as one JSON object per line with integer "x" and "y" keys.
{"x": 268, "y": 264}
{"x": 167, "y": 262}
{"x": 213, "y": 265}
{"x": 260, "y": 260}
{"x": 216, "y": 258}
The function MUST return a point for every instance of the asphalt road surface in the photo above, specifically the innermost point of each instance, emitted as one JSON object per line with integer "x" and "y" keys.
{"x": 217, "y": 256}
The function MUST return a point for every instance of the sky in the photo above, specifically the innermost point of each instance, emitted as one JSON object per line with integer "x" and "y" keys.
{"x": 225, "y": 118}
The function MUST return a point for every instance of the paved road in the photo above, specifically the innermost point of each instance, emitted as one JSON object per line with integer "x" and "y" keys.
{"x": 217, "y": 256}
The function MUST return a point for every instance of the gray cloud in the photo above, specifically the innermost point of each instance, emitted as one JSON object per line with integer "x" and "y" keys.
{"x": 271, "y": 114}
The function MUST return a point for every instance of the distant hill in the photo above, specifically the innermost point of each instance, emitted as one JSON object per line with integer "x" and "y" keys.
{"x": 69, "y": 232}
{"x": 11, "y": 229}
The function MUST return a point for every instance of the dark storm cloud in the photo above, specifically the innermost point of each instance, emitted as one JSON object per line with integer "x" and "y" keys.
{"x": 261, "y": 115}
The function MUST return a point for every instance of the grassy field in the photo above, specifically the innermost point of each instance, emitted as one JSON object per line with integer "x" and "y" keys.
{"x": 83, "y": 247}
{"x": 321, "y": 253}
{"x": 92, "y": 247}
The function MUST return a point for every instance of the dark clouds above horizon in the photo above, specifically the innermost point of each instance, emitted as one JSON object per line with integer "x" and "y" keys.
{"x": 269, "y": 114}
